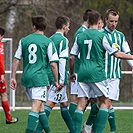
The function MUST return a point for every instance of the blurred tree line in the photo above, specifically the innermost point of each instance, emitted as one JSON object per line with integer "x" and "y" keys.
{"x": 15, "y": 16}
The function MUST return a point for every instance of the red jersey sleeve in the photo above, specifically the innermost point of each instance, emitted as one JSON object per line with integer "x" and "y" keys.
{"x": 2, "y": 70}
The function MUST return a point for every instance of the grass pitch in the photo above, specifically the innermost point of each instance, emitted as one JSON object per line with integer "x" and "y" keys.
{"x": 124, "y": 120}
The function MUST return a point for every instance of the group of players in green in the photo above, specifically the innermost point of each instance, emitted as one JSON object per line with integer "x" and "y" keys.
{"x": 94, "y": 71}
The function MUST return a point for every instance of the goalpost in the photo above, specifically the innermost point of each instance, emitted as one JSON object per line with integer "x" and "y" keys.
{"x": 8, "y": 64}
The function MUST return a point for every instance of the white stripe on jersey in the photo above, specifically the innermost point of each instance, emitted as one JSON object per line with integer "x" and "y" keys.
{"x": 52, "y": 57}
{"x": 119, "y": 71}
{"x": 112, "y": 61}
{"x": 18, "y": 53}
{"x": 65, "y": 52}
{"x": 106, "y": 62}
{"x": 62, "y": 64}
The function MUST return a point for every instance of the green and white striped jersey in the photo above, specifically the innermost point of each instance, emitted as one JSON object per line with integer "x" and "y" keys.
{"x": 112, "y": 64}
{"x": 77, "y": 60}
{"x": 36, "y": 50}
{"x": 92, "y": 46}
{"x": 61, "y": 44}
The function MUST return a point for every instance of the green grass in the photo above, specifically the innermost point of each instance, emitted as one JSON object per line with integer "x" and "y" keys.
{"x": 124, "y": 119}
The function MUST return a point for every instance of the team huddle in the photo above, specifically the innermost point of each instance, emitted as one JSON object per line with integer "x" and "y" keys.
{"x": 92, "y": 66}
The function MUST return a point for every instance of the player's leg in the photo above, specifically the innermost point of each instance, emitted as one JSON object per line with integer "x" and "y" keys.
{"x": 73, "y": 104}
{"x": 74, "y": 98}
{"x": 67, "y": 117}
{"x": 5, "y": 104}
{"x": 78, "y": 114}
{"x": 101, "y": 90}
{"x": 93, "y": 112}
{"x": 111, "y": 119}
{"x": 37, "y": 113}
{"x": 47, "y": 108}
{"x": 83, "y": 96}
{"x": 43, "y": 119}
{"x": 90, "y": 120}
{"x": 113, "y": 95}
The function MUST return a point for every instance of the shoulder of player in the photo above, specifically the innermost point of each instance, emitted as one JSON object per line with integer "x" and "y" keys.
{"x": 119, "y": 32}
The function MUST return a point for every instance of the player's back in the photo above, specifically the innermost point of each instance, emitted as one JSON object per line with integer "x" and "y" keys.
{"x": 92, "y": 56}
{"x": 35, "y": 60}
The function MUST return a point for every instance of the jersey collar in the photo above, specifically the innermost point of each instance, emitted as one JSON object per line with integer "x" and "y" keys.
{"x": 111, "y": 32}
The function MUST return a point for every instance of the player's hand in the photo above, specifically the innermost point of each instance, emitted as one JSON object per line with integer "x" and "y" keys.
{"x": 72, "y": 77}
{"x": 61, "y": 86}
{"x": 13, "y": 84}
{"x": 56, "y": 84}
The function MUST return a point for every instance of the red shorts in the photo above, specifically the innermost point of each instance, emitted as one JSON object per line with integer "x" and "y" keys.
{"x": 3, "y": 87}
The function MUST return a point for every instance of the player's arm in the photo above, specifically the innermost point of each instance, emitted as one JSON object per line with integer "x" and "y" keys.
{"x": 71, "y": 68}
{"x": 126, "y": 49}
{"x": 17, "y": 58}
{"x": 53, "y": 58}
{"x": 63, "y": 57}
{"x": 109, "y": 47}
{"x": 2, "y": 70}
{"x": 54, "y": 69}
{"x": 74, "y": 52}
{"x": 123, "y": 56}
{"x": 13, "y": 82}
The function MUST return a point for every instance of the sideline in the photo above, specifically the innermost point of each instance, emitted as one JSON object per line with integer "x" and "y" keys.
{"x": 58, "y": 108}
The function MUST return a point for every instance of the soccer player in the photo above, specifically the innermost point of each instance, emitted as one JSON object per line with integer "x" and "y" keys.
{"x": 112, "y": 65}
{"x": 37, "y": 51}
{"x": 92, "y": 46}
{"x": 60, "y": 96}
{"x": 3, "y": 88}
{"x": 88, "y": 123}
{"x": 75, "y": 85}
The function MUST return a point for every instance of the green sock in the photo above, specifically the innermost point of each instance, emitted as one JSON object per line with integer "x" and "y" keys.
{"x": 100, "y": 120}
{"x": 93, "y": 112}
{"x": 111, "y": 119}
{"x": 67, "y": 118}
{"x": 72, "y": 108}
{"x": 48, "y": 110}
{"x": 78, "y": 114}
{"x": 44, "y": 121}
{"x": 33, "y": 119}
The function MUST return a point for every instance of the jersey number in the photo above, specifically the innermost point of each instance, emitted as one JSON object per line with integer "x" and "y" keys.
{"x": 89, "y": 43}
{"x": 44, "y": 94}
{"x": 32, "y": 56}
{"x": 58, "y": 97}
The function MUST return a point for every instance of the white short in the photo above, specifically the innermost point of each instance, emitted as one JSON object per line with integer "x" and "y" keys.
{"x": 113, "y": 88}
{"x": 39, "y": 93}
{"x": 75, "y": 86}
{"x": 92, "y": 90}
{"x": 57, "y": 96}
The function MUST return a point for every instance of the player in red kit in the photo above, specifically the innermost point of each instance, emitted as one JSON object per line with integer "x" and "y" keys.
{"x": 3, "y": 91}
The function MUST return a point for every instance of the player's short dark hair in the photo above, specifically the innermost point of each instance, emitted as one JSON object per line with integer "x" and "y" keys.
{"x": 86, "y": 14}
{"x": 113, "y": 12}
{"x": 94, "y": 17}
{"x": 39, "y": 22}
{"x": 2, "y": 31}
{"x": 60, "y": 21}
